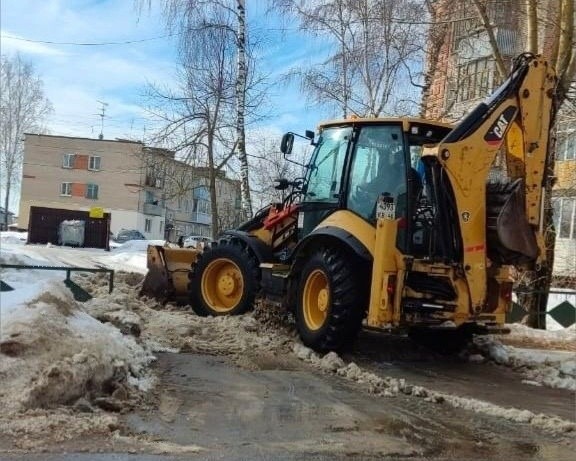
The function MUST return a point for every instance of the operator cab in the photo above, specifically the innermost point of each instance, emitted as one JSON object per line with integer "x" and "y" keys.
{"x": 357, "y": 161}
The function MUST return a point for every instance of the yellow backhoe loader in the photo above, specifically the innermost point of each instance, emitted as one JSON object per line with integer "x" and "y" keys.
{"x": 397, "y": 225}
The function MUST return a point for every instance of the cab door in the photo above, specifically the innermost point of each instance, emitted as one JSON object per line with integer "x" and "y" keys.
{"x": 377, "y": 167}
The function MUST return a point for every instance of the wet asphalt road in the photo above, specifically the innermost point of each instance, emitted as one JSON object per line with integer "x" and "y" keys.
{"x": 398, "y": 357}
{"x": 278, "y": 409}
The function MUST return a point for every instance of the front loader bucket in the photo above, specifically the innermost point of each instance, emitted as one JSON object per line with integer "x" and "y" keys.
{"x": 167, "y": 277}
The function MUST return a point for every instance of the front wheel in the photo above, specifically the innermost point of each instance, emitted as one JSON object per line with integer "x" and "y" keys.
{"x": 224, "y": 280}
{"x": 330, "y": 303}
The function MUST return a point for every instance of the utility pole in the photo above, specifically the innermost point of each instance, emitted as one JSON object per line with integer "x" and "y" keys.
{"x": 102, "y": 114}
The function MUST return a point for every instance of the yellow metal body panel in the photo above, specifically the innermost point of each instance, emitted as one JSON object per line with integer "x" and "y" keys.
{"x": 353, "y": 224}
{"x": 381, "y": 310}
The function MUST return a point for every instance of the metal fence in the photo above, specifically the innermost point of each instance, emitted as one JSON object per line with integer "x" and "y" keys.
{"x": 561, "y": 308}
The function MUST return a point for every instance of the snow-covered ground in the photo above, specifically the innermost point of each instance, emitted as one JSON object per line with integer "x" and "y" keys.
{"x": 56, "y": 351}
{"x": 53, "y": 351}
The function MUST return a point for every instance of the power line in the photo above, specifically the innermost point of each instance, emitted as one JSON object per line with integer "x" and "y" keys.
{"x": 127, "y": 42}
{"x": 282, "y": 29}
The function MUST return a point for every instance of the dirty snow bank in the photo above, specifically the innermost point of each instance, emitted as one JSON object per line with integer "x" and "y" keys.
{"x": 54, "y": 353}
{"x": 385, "y": 386}
{"x": 545, "y": 358}
{"x": 170, "y": 328}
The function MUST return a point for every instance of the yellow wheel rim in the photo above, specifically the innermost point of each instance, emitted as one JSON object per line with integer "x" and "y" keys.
{"x": 316, "y": 299}
{"x": 222, "y": 285}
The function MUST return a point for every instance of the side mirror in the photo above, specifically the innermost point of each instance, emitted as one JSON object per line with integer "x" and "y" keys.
{"x": 281, "y": 184}
{"x": 309, "y": 134}
{"x": 287, "y": 143}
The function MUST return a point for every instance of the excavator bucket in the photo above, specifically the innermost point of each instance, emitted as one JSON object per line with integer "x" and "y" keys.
{"x": 167, "y": 277}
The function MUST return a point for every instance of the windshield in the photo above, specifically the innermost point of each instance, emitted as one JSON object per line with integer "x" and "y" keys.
{"x": 325, "y": 173}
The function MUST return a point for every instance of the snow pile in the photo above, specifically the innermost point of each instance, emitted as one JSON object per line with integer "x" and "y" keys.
{"x": 17, "y": 238}
{"x": 130, "y": 255}
{"x": 539, "y": 360}
{"x": 166, "y": 328}
{"x": 36, "y": 428}
{"x": 54, "y": 353}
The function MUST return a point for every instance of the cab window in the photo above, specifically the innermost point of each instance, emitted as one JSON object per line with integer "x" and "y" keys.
{"x": 325, "y": 174}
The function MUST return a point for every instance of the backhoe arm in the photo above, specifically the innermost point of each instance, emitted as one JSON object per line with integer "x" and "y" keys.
{"x": 517, "y": 116}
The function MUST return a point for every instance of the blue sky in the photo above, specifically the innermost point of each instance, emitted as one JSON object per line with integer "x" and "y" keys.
{"x": 76, "y": 78}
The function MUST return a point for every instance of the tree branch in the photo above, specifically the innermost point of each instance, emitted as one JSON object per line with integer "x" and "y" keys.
{"x": 501, "y": 68}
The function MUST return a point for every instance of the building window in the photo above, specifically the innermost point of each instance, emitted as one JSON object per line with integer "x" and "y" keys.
{"x": 92, "y": 191}
{"x": 66, "y": 189}
{"x": 94, "y": 163}
{"x": 161, "y": 227}
{"x": 147, "y": 225}
{"x": 475, "y": 79}
{"x": 68, "y": 160}
{"x": 201, "y": 200}
{"x": 565, "y": 217}
{"x": 566, "y": 149}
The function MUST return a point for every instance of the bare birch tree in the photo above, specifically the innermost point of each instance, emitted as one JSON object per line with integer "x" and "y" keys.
{"x": 23, "y": 107}
{"x": 197, "y": 116}
{"x": 189, "y": 16}
{"x": 376, "y": 47}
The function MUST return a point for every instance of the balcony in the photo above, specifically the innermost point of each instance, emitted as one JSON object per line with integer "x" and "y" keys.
{"x": 153, "y": 181}
{"x": 154, "y": 210}
{"x": 201, "y": 218}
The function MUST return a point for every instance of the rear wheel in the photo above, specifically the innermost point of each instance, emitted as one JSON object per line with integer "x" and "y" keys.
{"x": 224, "y": 280}
{"x": 329, "y": 309}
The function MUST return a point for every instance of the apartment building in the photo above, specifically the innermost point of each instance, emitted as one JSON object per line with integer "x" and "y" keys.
{"x": 126, "y": 178}
{"x": 564, "y": 200}
{"x": 188, "y": 204}
{"x": 461, "y": 72}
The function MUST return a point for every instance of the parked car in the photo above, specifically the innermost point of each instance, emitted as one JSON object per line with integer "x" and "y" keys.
{"x": 192, "y": 241}
{"x": 128, "y": 234}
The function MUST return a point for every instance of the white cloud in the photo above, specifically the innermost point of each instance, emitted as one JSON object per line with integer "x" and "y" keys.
{"x": 77, "y": 77}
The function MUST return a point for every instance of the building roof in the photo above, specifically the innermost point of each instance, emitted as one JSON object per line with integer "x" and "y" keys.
{"x": 84, "y": 139}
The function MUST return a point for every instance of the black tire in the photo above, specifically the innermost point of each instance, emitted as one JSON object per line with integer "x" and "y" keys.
{"x": 343, "y": 303}
{"x": 224, "y": 264}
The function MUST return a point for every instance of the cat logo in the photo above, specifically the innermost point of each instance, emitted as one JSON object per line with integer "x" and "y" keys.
{"x": 498, "y": 129}
{"x": 501, "y": 126}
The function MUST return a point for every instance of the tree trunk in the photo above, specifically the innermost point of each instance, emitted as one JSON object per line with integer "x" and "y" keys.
{"x": 7, "y": 202}
{"x": 240, "y": 110}
{"x": 212, "y": 186}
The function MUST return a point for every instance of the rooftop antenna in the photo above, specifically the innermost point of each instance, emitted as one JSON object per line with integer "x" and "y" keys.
{"x": 102, "y": 114}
